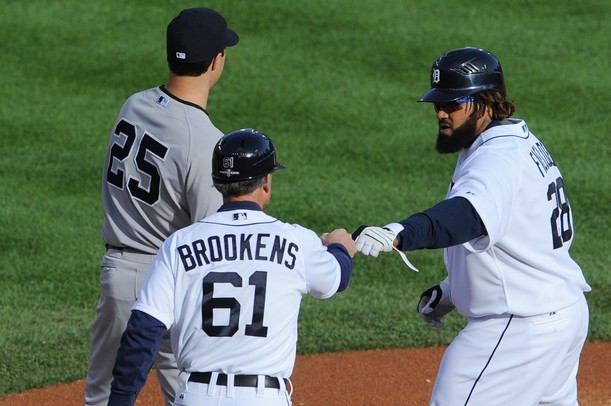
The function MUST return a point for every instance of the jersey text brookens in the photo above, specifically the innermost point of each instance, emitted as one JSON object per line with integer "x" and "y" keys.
{"x": 231, "y": 247}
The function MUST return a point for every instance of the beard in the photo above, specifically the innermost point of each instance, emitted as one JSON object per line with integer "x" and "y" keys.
{"x": 461, "y": 138}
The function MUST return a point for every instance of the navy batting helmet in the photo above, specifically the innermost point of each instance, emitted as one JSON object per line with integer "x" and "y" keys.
{"x": 462, "y": 72}
{"x": 242, "y": 155}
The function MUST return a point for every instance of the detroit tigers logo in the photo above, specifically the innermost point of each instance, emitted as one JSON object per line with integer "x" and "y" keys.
{"x": 436, "y": 76}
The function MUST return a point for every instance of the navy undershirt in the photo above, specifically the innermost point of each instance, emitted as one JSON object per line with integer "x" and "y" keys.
{"x": 450, "y": 222}
{"x": 345, "y": 263}
{"x": 135, "y": 357}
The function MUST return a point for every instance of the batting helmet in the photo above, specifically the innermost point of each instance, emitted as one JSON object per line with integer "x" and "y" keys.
{"x": 462, "y": 72}
{"x": 242, "y": 155}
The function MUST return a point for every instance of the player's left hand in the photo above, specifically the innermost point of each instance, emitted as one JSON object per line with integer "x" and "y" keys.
{"x": 373, "y": 240}
{"x": 435, "y": 303}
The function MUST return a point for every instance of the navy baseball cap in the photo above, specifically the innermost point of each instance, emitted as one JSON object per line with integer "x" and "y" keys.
{"x": 198, "y": 34}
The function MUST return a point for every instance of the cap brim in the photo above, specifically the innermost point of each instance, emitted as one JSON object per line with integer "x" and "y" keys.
{"x": 441, "y": 96}
{"x": 232, "y": 38}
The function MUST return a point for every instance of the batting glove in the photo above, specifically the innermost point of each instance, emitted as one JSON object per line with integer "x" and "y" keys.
{"x": 435, "y": 303}
{"x": 373, "y": 240}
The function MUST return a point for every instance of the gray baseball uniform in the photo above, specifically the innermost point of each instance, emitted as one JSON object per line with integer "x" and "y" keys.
{"x": 157, "y": 177}
{"x": 156, "y": 180}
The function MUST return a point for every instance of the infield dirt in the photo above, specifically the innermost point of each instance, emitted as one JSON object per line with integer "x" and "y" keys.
{"x": 402, "y": 377}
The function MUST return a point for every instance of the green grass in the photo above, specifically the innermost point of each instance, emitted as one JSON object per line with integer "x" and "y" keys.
{"x": 334, "y": 84}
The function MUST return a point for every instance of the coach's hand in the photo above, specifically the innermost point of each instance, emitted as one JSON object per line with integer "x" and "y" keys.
{"x": 435, "y": 303}
{"x": 373, "y": 240}
{"x": 340, "y": 236}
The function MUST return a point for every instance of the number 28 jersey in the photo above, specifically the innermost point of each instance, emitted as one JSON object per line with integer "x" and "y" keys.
{"x": 229, "y": 288}
{"x": 522, "y": 266}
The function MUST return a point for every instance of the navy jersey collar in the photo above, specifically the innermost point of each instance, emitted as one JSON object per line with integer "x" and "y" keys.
{"x": 241, "y": 205}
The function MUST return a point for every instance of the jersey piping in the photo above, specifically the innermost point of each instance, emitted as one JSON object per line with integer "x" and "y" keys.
{"x": 489, "y": 359}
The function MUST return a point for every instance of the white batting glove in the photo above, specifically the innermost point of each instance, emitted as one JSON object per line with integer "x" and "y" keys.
{"x": 435, "y": 303}
{"x": 373, "y": 240}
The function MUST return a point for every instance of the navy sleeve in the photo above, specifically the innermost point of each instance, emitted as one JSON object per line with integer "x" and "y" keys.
{"x": 345, "y": 263}
{"x": 135, "y": 357}
{"x": 451, "y": 222}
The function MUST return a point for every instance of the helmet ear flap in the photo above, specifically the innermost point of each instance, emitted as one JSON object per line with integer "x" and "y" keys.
{"x": 462, "y": 72}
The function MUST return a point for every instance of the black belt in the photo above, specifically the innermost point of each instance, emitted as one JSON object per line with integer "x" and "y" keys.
{"x": 126, "y": 250}
{"x": 247, "y": 381}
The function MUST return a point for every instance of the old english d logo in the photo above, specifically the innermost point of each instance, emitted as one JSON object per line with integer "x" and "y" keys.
{"x": 435, "y": 76}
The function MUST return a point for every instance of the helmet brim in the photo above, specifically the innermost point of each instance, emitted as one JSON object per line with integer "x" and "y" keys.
{"x": 277, "y": 167}
{"x": 444, "y": 95}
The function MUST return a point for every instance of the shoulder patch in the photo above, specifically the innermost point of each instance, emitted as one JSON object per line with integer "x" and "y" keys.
{"x": 163, "y": 101}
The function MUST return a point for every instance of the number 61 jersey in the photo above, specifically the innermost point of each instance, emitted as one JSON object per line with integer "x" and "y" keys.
{"x": 522, "y": 266}
{"x": 230, "y": 286}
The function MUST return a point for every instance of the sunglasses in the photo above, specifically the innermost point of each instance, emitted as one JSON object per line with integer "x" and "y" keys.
{"x": 453, "y": 105}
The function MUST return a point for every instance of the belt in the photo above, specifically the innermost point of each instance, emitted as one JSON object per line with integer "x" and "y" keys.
{"x": 247, "y": 381}
{"x": 126, "y": 250}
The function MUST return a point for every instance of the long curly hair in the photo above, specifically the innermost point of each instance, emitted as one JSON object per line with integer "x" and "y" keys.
{"x": 501, "y": 107}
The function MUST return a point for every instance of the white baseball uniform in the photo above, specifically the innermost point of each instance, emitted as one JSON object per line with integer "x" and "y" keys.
{"x": 229, "y": 289}
{"x": 518, "y": 285}
{"x": 156, "y": 180}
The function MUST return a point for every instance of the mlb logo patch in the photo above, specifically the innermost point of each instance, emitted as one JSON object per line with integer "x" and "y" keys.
{"x": 163, "y": 101}
{"x": 239, "y": 216}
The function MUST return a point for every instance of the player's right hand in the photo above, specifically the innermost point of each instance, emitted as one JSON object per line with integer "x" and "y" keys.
{"x": 435, "y": 303}
{"x": 340, "y": 236}
{"x": 373, "y": 240}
